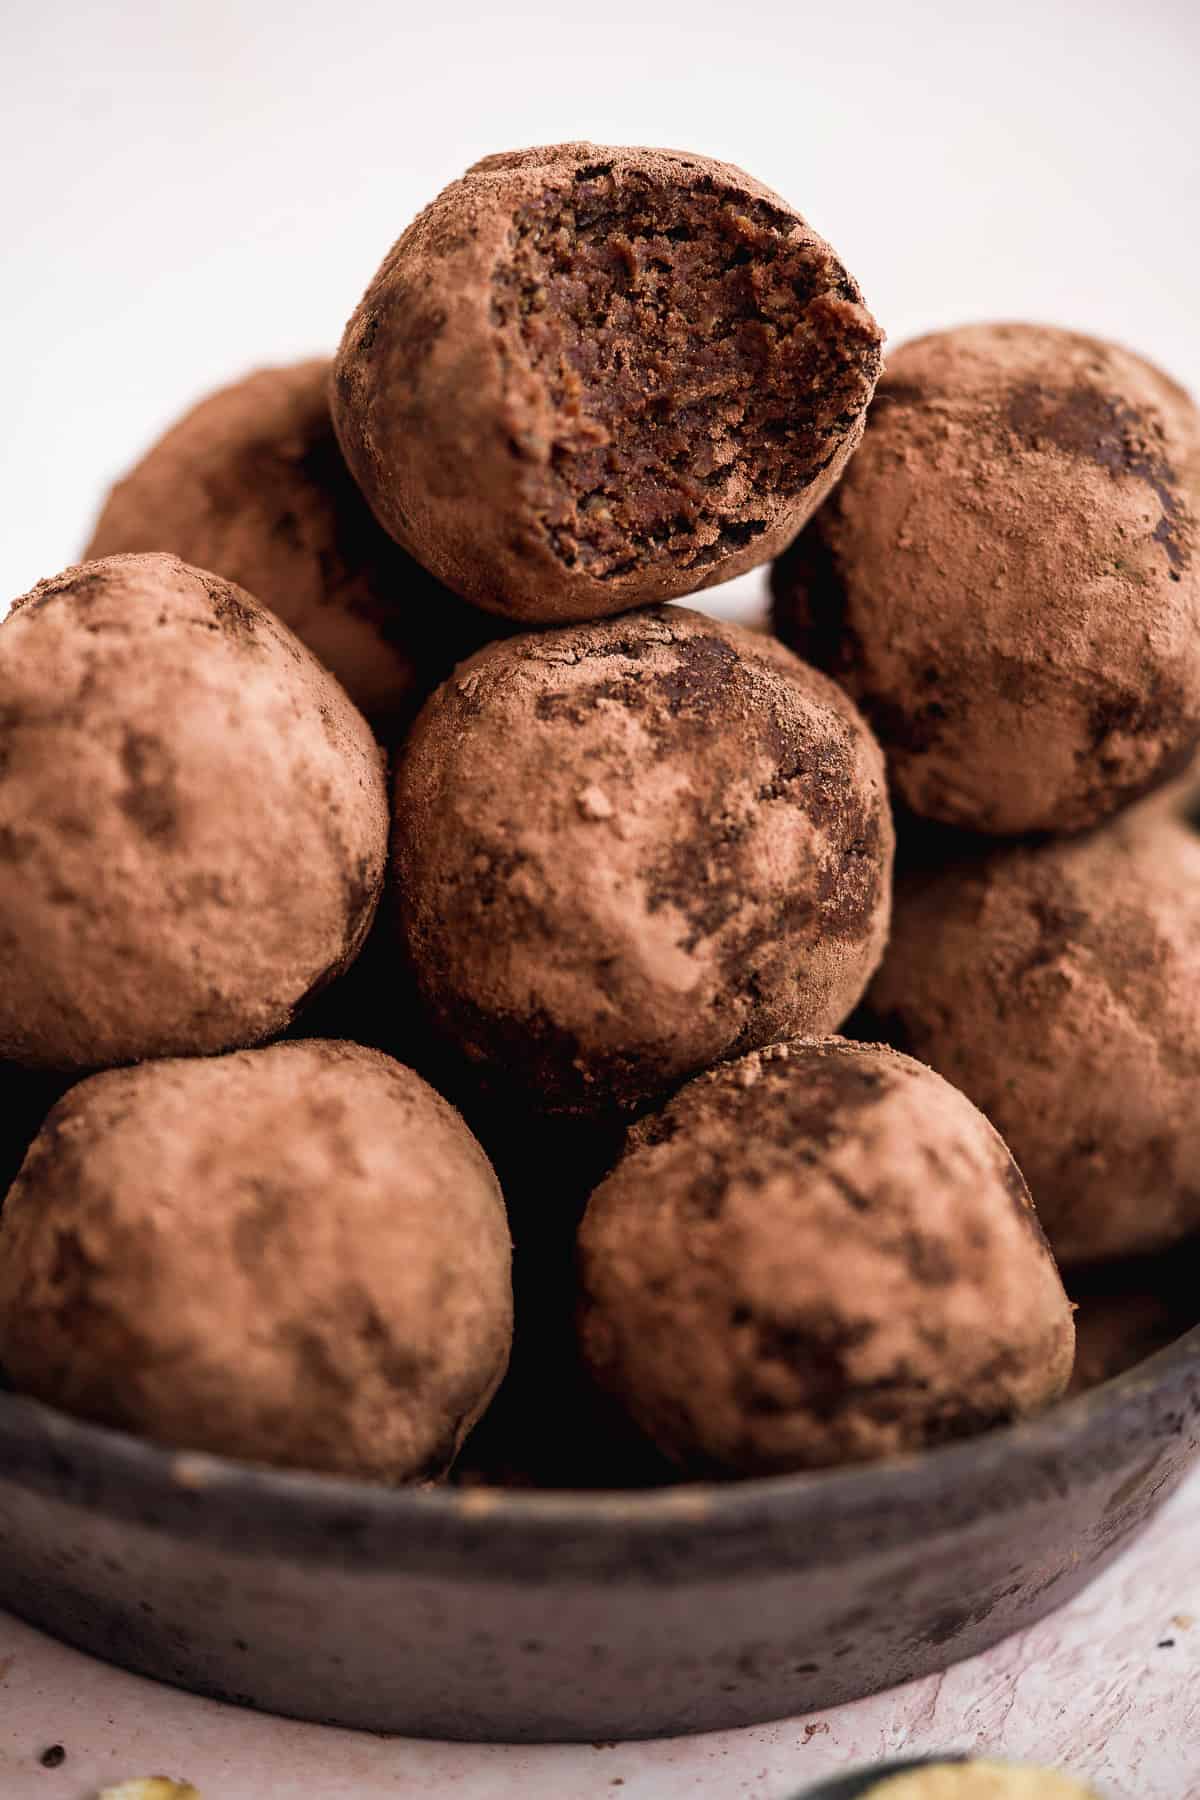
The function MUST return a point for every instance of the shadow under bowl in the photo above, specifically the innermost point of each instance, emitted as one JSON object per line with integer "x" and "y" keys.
{"x": 479, "y": 1613}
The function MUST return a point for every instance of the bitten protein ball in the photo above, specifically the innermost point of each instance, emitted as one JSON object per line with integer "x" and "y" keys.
{"x": 296, "y": 1255}
{"x": 1007, "y": 580}
{"x": 586, "y": 379}
{"x": 1059, "y": 986}
{"x": 818, "y": 1253}
{"x": 251, "y": 484}
{"x": 624, "y": 850}
{"x": 193, "y": 818}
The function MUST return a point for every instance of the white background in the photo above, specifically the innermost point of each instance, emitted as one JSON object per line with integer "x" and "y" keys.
{"x": 192, "y": 189}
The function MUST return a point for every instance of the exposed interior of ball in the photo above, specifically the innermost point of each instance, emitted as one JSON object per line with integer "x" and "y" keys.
{"x": 695, "y": 369}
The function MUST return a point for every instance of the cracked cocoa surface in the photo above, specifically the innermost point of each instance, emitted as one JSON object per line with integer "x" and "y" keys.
{"x": 1008, "y": 580}
{"x": 1058, "y": 984}
{"x": 653, "y": 368}
{"x": 625, "y": 849}
{"x": 818, "y": 1253}
{"x": 193, "y": 818}
{"x": 297, "y": 1255}
{"x": 251, "y": 485}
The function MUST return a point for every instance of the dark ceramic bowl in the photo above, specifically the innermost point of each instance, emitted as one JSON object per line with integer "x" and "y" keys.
{"x": 507, "y": 1615}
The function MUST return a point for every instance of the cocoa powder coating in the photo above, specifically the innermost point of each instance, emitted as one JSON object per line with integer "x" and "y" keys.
{"x": 1059, "y": 986}
{"x": 626, "y": 849}
{"x": 588, "y": 378}
{"x": 251, "y": 484}
{"x": 1007, "y": 580}
{"x": 296, "y": 1255}
{"x": 818, "y": 1253}
{"x": 193, "y": 818}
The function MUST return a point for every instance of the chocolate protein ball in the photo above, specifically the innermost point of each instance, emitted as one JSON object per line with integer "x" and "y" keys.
{"x": 193, "y": 818}
{"x": 588, "y": 378}
{"x": 251, "y": 484}
{"x": 626, "y": 849}
{"x": 818, "y": 1253}
{"x": 296, "y": 1255}
{"x": 1007, "y": 580}
{"x": 1058, "y": 985}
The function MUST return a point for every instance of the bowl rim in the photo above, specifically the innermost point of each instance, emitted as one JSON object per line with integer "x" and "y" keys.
{"x": 77, "y": 1448}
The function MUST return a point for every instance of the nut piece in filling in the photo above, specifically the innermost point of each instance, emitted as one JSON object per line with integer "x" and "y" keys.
{"x": 818, "y": 1253}
{"x": 589, "y": 378}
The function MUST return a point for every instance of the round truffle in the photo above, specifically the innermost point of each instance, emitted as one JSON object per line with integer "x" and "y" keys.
{"x": 251, "y": 484}
{"x": 818, "y": 1253}
{"x": 1058, "y": 985}
{"x": 1008, "y": 580}
{"x": 193, "y": 818}
{"x": 586, "y": 379}
{"x": 626, "y": 849}
{"x": 296, "y": 1255}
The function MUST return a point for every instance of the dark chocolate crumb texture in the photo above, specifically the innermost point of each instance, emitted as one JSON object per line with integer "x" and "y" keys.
{"x": 588, "y": 378}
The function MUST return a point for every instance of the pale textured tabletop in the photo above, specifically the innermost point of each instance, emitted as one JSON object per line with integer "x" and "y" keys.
{"x": 1107, "y": 1688}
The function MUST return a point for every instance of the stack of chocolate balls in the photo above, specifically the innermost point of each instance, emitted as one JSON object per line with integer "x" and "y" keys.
{"x": 388, "y": 872}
